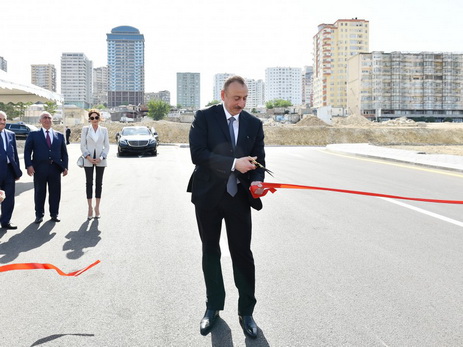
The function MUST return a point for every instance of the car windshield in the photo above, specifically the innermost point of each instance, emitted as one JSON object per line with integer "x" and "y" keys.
{"x": 135, "y": 131}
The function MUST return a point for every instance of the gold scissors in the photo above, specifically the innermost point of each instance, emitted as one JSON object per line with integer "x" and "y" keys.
{"x": 262, "y": 167}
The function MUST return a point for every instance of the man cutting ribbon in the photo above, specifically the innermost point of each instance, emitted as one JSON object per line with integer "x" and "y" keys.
{"x": 225, "y": 143}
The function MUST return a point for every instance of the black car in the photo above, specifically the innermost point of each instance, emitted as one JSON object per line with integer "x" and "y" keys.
{"x": 20, "y": 129}
{"x": 137, "y": 140}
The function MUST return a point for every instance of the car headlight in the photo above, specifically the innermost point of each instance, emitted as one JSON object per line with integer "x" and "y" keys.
{"x": 152, "y": 141}
{"x": 122, "y": 141}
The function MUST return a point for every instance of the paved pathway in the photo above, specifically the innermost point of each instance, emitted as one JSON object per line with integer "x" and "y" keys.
{"x": 444, "y": 161}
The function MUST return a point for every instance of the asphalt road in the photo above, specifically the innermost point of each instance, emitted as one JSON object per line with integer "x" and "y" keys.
{"x": 333, "y": 269}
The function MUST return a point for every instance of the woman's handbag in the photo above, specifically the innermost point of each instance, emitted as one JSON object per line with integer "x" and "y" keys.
{"x": 80, "y": 161}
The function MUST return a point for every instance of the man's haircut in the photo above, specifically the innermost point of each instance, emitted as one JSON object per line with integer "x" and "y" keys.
{"x": 3, "y": 114}
{"x": 45, "y": 113}
{"x": 232, "y": 79}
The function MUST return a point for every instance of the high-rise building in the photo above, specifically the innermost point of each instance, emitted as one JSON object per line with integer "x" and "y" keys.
{"x": 188, "y": 90}
{"x": 283, "y": 83}
{"x": 163, "y": 95}
{"x": 413, "y": 85}
{"x": 126, "y": 64}
{"x": 256, "y": 93}
{"x": 219, "y": 80}
{"x": 3, "y": 64}
{"x": 100, "y": 85}
{"x": 333, "y": 45}
{"x": 307, "y": 86}
{"x": 76, "y": 79}
{"x": 44, "y": 76}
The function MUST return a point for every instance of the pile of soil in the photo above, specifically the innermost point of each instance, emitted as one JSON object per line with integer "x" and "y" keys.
{"x": 352, "y": 120}
{"x": 403, "y": 122}
{"x": 313, "y": 132}
{"x": 311, "y": 120}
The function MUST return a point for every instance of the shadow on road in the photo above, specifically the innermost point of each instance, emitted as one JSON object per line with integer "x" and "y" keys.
{"x": 87, "y": 236}
{"x": 56, "y": 336}
{"x": 33, "y": 236}
{"x": 22, "y": 187}
{"x": 221, "y": 336}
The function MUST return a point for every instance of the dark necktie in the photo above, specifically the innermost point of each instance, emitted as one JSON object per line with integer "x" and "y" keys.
{"x": 48, "y": 139}
{"x": 2, "y": 143}
{"x": 232, "y": 185}
{"x": 231, "y": 120}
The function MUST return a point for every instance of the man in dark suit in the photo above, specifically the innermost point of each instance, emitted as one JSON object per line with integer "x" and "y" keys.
{"x": 68, "y": 135}
{"x": 9, "y": 171}
{"x": 46, "y": 158}
{"x": 224, "y": 142}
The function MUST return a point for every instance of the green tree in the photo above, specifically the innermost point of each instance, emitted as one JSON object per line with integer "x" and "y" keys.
{"x": 9, "y": 110}
{"x": 50, "y": 107}
{"x": 213, "y": 102}
{"x": 278, "y": 103}
{"x": 158, "y": 109}
{"x": 21, "y": 107}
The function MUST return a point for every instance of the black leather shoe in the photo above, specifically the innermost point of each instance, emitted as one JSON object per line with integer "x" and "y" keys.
{"x": 55, "y": 219}
{"x": 38, "y": 220}
{"x": 249, "y": 326}
{"x": 9, "y": 226}
{"x": 208, "y": 321}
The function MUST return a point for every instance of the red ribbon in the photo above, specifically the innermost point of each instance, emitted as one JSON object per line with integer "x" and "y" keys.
{"x": 35, "y": 266}
{"x": 271, "y": 187}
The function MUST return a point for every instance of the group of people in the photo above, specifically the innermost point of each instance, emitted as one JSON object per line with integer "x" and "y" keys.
{"x": 46, "y": 159}
{"x": 225, "y": 144}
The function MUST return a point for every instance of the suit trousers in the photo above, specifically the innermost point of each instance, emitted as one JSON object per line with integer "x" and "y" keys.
{"x": 7, "y": 184}
{"x": 236, "y": 212}
{"x": 98, "y": 180}
{"x": 47, "y": 174}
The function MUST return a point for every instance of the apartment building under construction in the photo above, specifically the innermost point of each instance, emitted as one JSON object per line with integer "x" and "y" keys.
{"x": 415, "y": 85}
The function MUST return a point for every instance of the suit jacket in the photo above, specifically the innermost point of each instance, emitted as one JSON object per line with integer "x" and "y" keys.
{"x": 88, "y": 145}
{"x": 37, "y": 153}
{"x": 11, "y": 153}
{"x": 212, "y": 153}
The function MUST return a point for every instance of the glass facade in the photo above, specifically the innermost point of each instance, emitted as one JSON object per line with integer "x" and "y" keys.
{"x": 126, "y": 66}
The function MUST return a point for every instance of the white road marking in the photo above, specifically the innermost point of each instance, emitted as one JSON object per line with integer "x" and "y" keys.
{"x": 420, "y": 210}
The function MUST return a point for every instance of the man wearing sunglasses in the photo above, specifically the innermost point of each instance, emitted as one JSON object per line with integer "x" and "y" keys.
{"x": 46, "y": 158}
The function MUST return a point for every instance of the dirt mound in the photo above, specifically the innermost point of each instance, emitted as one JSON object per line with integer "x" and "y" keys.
{"x": 290, "y": 135}
{"x": 402, "y": 121}
{"x": 311, "y": 121}
{"x": 352, "y": 120}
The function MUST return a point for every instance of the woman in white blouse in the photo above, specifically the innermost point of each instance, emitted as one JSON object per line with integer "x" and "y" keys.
{"x": 94, "y": 144}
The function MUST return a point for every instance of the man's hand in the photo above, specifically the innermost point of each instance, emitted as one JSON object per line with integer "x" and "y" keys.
{"x": 30, "y": 171}
{"x": 245, "y": 164}
{"x": 259, "y": 190}
{"x": 65, "y": 172}
{"x": 2, "y": 195}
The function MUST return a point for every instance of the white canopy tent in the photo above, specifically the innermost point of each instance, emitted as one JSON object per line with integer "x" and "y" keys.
{"x": 18, "y": 92}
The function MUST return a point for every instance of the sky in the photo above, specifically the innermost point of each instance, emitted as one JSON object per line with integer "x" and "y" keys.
{"x": 214, "y": 36}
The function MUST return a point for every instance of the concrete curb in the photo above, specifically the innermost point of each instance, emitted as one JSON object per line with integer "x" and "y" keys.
{"x": 441, "y": 161}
